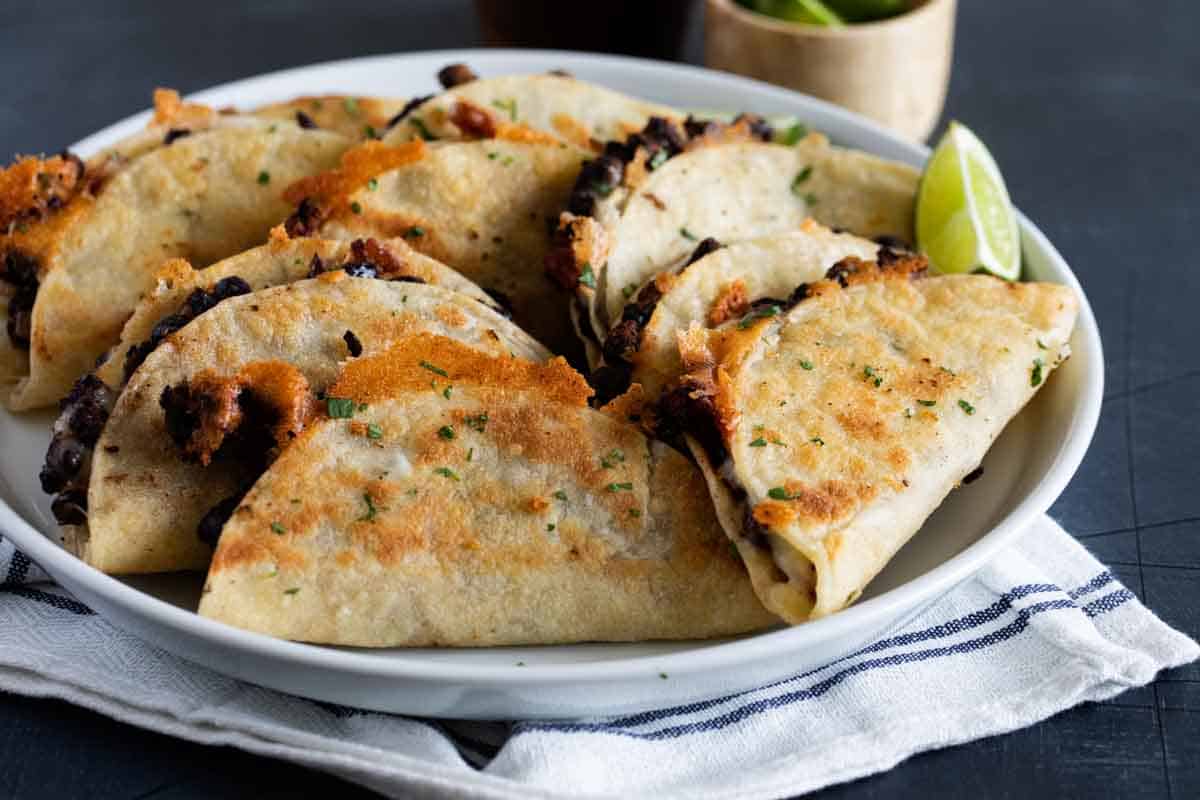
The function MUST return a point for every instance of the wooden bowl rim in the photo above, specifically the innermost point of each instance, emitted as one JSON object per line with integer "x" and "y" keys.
{"x": 800, "y": 29}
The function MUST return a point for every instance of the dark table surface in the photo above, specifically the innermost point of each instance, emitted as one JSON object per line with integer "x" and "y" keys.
{"x": 1092, "y": 110}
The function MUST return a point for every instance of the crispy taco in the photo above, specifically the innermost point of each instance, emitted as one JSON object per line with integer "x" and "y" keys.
{"x": 508, "y": 513}
{"x": 716, "y": 284}
{"x": 626, "y": 224}
{"x": 481, "y": 207}
{"x": 215, "y": 400}
{"x": 575, "y": 111}
{"x": 182, "y": 293}
{"x": 829, "y": 432}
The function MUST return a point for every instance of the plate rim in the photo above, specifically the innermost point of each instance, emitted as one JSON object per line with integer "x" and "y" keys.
{"x": 393, "y": 663}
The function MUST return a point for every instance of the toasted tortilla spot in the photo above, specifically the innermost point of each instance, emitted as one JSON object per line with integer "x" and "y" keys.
{"x": 412, "y": 363}
{"x": 359, "y": 164}
{"x": 731, "y": 303}
{"x": 451, "y": 315}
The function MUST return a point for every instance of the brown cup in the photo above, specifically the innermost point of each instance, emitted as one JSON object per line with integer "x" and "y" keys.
{"x": 895, "y": 71}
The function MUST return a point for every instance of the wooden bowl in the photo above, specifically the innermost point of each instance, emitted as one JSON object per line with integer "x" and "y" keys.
{"x": 895, "y": 71}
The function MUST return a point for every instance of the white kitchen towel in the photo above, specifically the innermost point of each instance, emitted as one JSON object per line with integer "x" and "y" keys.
{"x": 1042, "y": 628}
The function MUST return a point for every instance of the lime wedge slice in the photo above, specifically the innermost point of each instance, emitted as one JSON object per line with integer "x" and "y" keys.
{"x": 812, "y": 12}
{"x": 965, "y": 221}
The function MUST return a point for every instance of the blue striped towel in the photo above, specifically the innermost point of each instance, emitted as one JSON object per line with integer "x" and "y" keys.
{"x": 1040, "y": 629}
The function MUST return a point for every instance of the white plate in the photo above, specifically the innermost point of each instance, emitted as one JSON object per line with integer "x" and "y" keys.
{"x": 1026, "y": 470}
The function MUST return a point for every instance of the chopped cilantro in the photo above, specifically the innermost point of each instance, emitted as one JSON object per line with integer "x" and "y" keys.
{"x": 371, "y": 511}
{"x": 662, "y": 675}
{"x": 800, "y": 178}
{"x": 1040, "y": 345}
{"x": 369, "y": 132}
{"x": 339, "y": 407}
{"x": 806, "y": 364}
{"x": 446, "y": 472}
{"x": 810, "y": 199}
{"x": 477, "y": 423}
{"x": 780, "y": 493}
{"x": 947, "y": 370}
{"x": 372, "y": 184}
{"x": 277, "y": 528}
{"x": 793, "y": 134}
{"x": 356, "y": 207}
{"x": 506, "y": 161}
{"x": 967, "y": 407}
{"x": 602, "y": 188}
{"x": 446, "y": 432}
{"x": 415, "y": 231}
{"x": 264, "y": 177}
{"x": 446, "y": 391}
{"x": 685, "y": 233}
{"x": 471, "y": 454}
{"x": 560, "y": 495}
{"x": 374, "y": 431}
{"x": 658, "y": 159}
{"x": 612, "y": 459}
{"x": 363, "y": 406}
{"x": 908, "y": 413}
{"x": 509, "y": 105}
{"x": 635, "y": 513}
{"x": 493, "y": 156}
{"x": 928, "y": 403}
{"x": 550, "y": 527}
{"x": 586, "y": 276}
{"x": 757, "y": 314}
{"x": 629, "y": 290}
{"x": 436, "y": 370}
{"x": 759, "y": 442}
{"x": 620, "y": 487}
{"x": 272, "y": 129}
{"x": 292, "y": 590}
{"x": 1035, "y": 378}
{"x": 351, "y": 105}
{"x": 818, "y": 441}
{"x": 870, "y": 375}
{"x": 422, "y": 131}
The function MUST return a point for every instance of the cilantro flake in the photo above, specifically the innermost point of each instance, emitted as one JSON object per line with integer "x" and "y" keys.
{"x": 434, "y": 369}
{"x": 339, "y": 407}
{"x": 586, "y": 276}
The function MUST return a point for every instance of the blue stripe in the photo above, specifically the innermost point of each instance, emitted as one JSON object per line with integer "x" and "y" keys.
{"x": 1014, "y": 628}
{"x": 59, "y": 602}
{"x": 964, "y": 623}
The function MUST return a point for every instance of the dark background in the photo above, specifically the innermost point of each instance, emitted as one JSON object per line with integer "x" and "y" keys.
{"x": 1092, "y": 110}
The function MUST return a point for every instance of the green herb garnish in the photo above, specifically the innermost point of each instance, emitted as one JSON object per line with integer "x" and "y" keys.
{"x": 967, "y": 407}
{"x": 685, "y": 233}
{"x": 586, "y": 276}
{"x": 612, "y": 459}
{"x": 372, "y": 511}
{"x": 293, "y": 590}
{"x": 477, "y": 423}
{"x": 759, "y": 442}
{"x": 629, "y": 290}
{"x": 339, "y": 407}
{"x": 277, "y": 528}
{"x": 422, "y": 131}
{"x": 799, "y": 180}
{"x": 818, "y": 441}
{"x": 620, "y": 487}
{"x": 507, "y": 105}
{"x": 471, "y": 454}
{"x": 415, "y": 231}
{"x": 635, "y": 513}
{"x": 369, "y": 132}
{"x": 446, "y": 432}
{"x": 560, "y": 495}
{"x": 356, "y": 207}
{"x": 658, "y": 159}
{"x": 446, "y": 472}
{"x": 374, "y": 431}
{"x": 372, "y": 184}
{"x": 780, "y": 493}
{"x": 757, "y": 314}
{"x": 264, "y": 177}
{"x": 805, "y": 364}
{"x": 928, "y": 403}
{"x": 1035, "y": 378}
{"x": 550, "y": 527}
{"x": 793, "y": 134}
{"x": 870, "y": 375}
{"x": 351, "y": 105}
{"x": 434, "y": 369}
{"x": 446, "y": 391}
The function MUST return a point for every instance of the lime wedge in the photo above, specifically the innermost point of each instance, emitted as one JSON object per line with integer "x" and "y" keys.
{"x": 965, "y": 221}
{"x": 869, "y": 10}
{"x": 812, "y": 12}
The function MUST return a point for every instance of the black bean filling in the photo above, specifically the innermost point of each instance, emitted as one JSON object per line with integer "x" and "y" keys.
{"x": 661, "y": 139}
{"x": 305, "y": 121}
{"x": 612, "y": 378}
{"x": 209, "y": 529}
{"x": 503, "y": 302}
{"x": 175, "y": 133}
{"x": 199, "y": 301}
{"x": 453, "y": 75}
{"x": 249, "y": 448}
{"x": 353, "y": 345}
{"x": 973, "y": 475}
{"x": 304, "y": 220}
{"x": 82, "y": 415}
{"x": 20, "y": 270}
{"x": 408, "y": 109}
